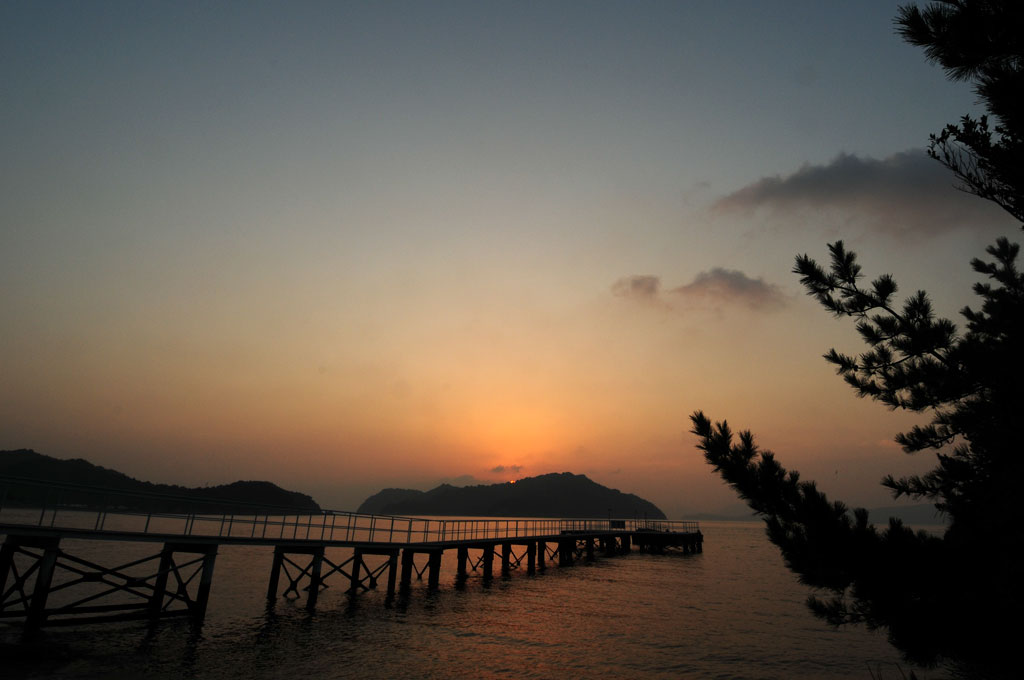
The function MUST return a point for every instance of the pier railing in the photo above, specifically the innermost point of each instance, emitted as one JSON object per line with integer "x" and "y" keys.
{"x": 108, "y": 512}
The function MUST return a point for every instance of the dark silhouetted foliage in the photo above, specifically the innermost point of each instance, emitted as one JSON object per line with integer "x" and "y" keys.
{"x": 980, "y": 41}
{"x": 956, "y": 598}
{"x": 937, "y": 597}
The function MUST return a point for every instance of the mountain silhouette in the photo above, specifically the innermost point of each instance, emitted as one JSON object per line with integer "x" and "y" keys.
{"x": 238, "y": 497}
{"x": 552, "y": 495}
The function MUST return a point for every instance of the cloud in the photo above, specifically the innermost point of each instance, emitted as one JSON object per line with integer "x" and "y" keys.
{"x": 906, "y": 193}
{"x": 506, "y": 468}
{"x": 713, "y": 288}
{"x": 637, "y": 287}
{"x": 730, "y": 286}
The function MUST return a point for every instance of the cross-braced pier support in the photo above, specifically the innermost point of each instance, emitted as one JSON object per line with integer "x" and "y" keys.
{"x": 485, "y": 562}
{"x": 310, "y": 572}
{"x": 360, "y": 583}
{"x": 566, "y": 551}
{"x": 163, "y": 597}
{"x": 311, "y": 577}
{"x": 92, "y": 592}
{"x": 510, "y": 560}
{"x": 432, "y": 567}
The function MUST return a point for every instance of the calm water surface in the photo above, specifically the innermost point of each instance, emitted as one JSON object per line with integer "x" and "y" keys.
{"x": 731, "y": 612}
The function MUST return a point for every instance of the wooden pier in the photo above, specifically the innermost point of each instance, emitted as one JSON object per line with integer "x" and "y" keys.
{"x": 176, "y": 580}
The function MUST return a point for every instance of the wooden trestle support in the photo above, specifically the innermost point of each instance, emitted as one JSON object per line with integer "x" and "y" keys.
{"x": 176, "y": 580}
{"x": 34, "y": 568}
{"x": 401, "y": 564}
{"x": 360, "y": 574}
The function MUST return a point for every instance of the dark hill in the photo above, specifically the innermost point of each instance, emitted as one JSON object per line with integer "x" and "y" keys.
{"x": 28, "y": 464}
{"x": 551, "y": 495}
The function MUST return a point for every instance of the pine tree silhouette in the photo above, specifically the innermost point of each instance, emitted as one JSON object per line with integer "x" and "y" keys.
{"x": 956, "y": 598}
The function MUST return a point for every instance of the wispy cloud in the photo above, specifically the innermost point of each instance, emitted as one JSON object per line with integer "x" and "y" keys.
{"x": 720, "y": 286}
{"x": 905, "y": 193}
{"x": 637, "y": 287}
{"x": 715, "y": 288}
{"x": 506, "y": 468}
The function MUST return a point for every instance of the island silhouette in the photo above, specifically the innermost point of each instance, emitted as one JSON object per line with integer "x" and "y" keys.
{"x": 79, "y": 479}
{"x": 552, "y": 495}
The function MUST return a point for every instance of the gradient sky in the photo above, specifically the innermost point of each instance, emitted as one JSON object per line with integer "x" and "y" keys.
{"x": 343, "y": 246}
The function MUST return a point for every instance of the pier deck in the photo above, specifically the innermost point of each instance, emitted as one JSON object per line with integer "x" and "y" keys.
{"x": 177, "y": 579}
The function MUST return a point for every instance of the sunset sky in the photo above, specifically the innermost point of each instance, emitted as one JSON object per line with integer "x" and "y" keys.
{"x": 343, "y": 246}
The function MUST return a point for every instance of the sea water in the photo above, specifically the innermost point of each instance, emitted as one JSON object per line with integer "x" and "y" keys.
{"x": 733, "y": 611}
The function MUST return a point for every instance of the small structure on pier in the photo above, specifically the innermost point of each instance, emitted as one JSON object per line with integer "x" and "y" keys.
{"x": 176, "y": 580}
